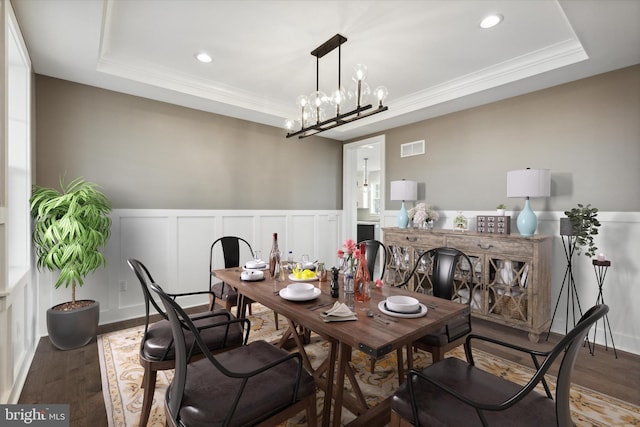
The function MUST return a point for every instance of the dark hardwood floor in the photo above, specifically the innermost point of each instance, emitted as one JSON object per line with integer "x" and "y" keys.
{"x": 73, "y": 376}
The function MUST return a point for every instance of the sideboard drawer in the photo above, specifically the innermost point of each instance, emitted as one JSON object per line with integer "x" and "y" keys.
{"x": 515, "y": 247}
{"x": 427, "y": 240}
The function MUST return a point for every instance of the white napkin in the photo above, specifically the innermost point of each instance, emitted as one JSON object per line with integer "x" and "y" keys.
{"x": 338, "y": 313}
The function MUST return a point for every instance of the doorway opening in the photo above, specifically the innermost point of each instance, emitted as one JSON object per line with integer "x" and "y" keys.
{"x": 363, "y": 192}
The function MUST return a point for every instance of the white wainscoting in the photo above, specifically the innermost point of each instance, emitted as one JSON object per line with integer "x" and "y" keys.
{"x": 618, "y": 239}
{"x": 175, "y": 245}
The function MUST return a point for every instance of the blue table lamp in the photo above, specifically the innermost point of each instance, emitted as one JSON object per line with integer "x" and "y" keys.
{"x": 404, "y": 190}
{"x": 528, "y": 183}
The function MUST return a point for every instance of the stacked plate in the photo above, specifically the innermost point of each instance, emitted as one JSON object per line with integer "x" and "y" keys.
{"x": 300, "y": 291}
{"x": 402, "y": 306}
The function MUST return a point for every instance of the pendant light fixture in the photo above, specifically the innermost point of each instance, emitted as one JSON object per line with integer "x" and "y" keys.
{"x": 312, "y": 119}
{"x": 366, "y": 184}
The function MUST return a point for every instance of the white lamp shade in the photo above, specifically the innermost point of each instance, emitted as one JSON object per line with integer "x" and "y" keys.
{"x": 529, "y": 183}
{"x": 404, "y": 190}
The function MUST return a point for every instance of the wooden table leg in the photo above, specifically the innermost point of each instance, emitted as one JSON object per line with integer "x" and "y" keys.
{"x": 400, "y": 365}
{"x": 328, "y": 392}
{"x": 343, "y": 358}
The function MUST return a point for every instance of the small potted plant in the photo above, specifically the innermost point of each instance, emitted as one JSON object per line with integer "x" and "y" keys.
{"x": 500, "y": 209}
{"x": 582, "y": 224}
{"x": 69, "y": 228}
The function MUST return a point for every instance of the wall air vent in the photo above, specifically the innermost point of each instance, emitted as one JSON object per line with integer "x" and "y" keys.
{"x": 412, "y": 148}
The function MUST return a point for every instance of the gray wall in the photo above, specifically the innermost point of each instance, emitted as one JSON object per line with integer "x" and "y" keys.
{"x": 587, "y": 132}
{"x": 149, "y": 154}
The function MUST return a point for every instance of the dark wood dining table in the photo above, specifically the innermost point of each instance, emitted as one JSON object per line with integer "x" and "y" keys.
{"x": 376, "y": 336}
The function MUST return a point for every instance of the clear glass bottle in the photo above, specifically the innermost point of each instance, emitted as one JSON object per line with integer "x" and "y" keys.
{"x": 348, "y": 283}
{"x": 290, "y": 263}
{"x": 274, "y": 256}
{"x": 362, "y": 280}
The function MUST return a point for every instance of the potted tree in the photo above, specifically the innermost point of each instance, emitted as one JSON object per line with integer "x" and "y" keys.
{"x": 582, "y": 224}
{"x": 69, "y": 228}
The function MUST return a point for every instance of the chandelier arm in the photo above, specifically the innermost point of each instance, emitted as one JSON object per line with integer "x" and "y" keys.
{"x": 337, "y": 121}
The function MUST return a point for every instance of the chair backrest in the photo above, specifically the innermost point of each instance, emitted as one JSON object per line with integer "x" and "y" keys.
{"x": 372, "y": 249}
{"x": 145, "y": 279}
{"x": 230, "y": 251}
{"x": 444, "y": 260}
{"x": 178, "y": 320}
{"x": 181, "y": 322}
{"x": 570, "y": 345}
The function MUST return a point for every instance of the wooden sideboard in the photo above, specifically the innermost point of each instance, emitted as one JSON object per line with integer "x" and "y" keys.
{"x": 512, "y": 274}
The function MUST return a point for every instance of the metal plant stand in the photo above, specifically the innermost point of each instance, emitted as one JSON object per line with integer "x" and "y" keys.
{"x": 573, "y": 300}
{"x": 600, "y": 267}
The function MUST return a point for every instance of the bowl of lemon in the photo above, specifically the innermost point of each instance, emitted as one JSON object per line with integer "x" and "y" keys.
{"x": 302, "y": 275}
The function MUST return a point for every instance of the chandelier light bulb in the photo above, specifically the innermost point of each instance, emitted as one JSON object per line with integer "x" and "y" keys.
{"x": 381, "y": 94}
{"x": 302, "y": 101}
{"x": 359, "y": 72}
{"x": 289, "y": 124}
{"x": 317, "y": 98}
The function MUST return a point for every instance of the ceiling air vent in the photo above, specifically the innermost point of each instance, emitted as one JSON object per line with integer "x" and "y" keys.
{"x": 412, "y": 148}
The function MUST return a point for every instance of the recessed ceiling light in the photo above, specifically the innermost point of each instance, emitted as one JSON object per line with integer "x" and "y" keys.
{"x": 491, "y": 21}
{"x": 203, "y": 57}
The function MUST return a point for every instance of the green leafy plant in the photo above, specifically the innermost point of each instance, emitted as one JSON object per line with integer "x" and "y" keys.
{"x": 70, "y": 227}
{"x": 501, "y": 206}
{"x": 585, "y": 226}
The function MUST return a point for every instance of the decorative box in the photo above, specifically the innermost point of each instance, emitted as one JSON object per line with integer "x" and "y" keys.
{"x": 493, "y": 224}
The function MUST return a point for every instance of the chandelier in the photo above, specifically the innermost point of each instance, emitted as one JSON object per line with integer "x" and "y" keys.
{"x": 313, "y": 118}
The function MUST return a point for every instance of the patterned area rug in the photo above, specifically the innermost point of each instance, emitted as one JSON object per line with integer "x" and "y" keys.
{"x": 122, "y": 375}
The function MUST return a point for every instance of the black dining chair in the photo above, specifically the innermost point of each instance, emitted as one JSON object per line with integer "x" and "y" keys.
{"x": 225, "y": 294}
{"x": 445, "y": 267}
{"x": 255, "y": 384}
{"x": 453, "y": 392}
{"x": 219, "y": 331}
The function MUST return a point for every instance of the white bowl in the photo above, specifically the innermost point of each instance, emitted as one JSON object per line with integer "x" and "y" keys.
{"x": 255, "y": 264}
{"x": 300, "y": 289}
{"x": 402, "y": 304}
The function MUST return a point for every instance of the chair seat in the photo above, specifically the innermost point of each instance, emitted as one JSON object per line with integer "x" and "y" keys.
{"x": 458, "y": 327}
{"x": 438, "y": 408}
{"x": 209, "y": 393}
{"x": 159, "y": 336}
{"x": 225, "y": 292}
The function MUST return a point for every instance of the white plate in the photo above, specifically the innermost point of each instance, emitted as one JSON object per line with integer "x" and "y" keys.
{"x": 422, "y": 312}
{"x": 293, "y": 279}
{"x": 285, "y": 294}
{"x": 266, "y": 267}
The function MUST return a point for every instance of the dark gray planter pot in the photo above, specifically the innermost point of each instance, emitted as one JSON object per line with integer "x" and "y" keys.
{"x": 566, "y": 227}
{"x": 74, "y": 328}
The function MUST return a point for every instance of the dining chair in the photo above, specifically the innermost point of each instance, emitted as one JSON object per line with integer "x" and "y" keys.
{"x": 228, "y": 295}
{"x": 455, "y": 392}
{"x": 373, "y": 248}
{"x": 447, "y": 280}
{"x": 254, "y": 384}
{"x": 219, "y": 331}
